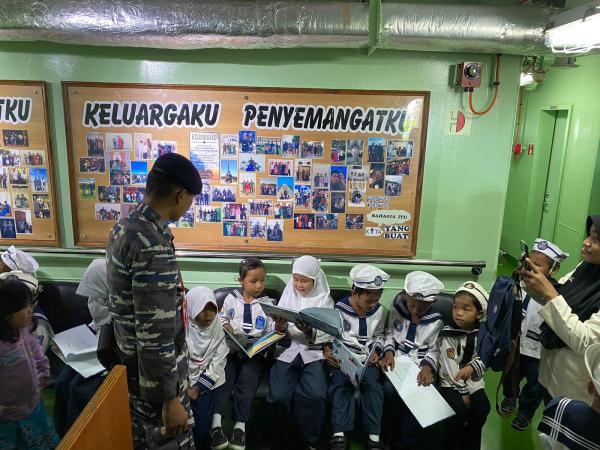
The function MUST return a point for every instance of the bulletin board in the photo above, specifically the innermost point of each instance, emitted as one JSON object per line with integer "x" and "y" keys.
{"x": 27, "y": 195}
{"x": 283, "y": 170}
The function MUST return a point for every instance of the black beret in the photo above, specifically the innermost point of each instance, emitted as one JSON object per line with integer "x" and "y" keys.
{"x": 179, "y": 169}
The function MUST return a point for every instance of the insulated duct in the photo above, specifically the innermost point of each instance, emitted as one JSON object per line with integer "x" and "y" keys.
{"x": 196, "y": 24}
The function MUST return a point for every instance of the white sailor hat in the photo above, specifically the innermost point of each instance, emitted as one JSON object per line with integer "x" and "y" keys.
{"x": 422, "y": 285}
{"x": 477, "y": 291}
{"x": 17, "y": 259}
{"x": 592, "y": 362}
{"x": 549, "y": 249}
{"x": 366, "y": 276}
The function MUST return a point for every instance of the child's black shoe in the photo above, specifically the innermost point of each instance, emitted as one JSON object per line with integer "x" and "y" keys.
{"x": 521, "y": 422}
{"x": 507, "y": 406}
{"x": 238, "y": 439}
{"x": 218, "y": 440}
{"x": 338, "y": 443}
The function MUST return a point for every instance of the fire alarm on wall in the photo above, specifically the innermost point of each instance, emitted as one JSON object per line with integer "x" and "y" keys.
{"x": 468, "y": 75}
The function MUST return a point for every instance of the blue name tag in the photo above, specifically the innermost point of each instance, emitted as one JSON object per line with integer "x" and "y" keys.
{"x": 259, "y": 323}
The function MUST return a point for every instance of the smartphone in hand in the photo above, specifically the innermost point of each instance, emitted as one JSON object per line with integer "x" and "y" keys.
{"x": 524, "y": 254}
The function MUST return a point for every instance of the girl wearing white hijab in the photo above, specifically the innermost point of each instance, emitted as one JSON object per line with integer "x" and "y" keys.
{"x": 94, "y": 286}
{"x": 298, "y": 381}
{"x": 207, "y": 356}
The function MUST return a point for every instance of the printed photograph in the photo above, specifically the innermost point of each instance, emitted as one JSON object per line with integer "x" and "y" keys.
{"x": 87, "y": 188}
{"x": 279, "y": 167}
{"x": 109, "y": 194}
{"x": 376, "y": 149}
{"x": 312, "y": 149}
{"x": 5, "y": 205}
{"x": 284, "y": 210}
{"x": 302, "y": 196}
{"x": 378, "y": 202}
{"x": 356, "y": 199}
{"x": 275, "y": 230}
{"x": 119, "y": 168}
{"x": 291, "y": 145}
{"x": 249, "y": 162}
{"x": 260, "y": 207}
{"x": 15, "y": 138}
{"x": 223, "y": 193}
{"x": 354, "y": 154}
{"x": 92, "y": 165}
{"x": 320, "y": 176}
{"x": 229, "y": 145}
{"x": 338, "y": 178}
{"x": 303, "y": 169}
{"x": 235, "y": 211}
{"x": 41, "y": 206}
{"x": 4, "y": 174}
{"x": 338, "y": 202}
{"x": 7, "y": 228}
{"x": 338, "y": 151}
{"x": 119, "y": 141}
{"x": 398, "y": 167}
{"x": 139, "y": 172}
{"x": 20, "y": 197}
{"x": 10, "y": 158}
{"x": 258, "y": 227}
{"x": 355, "y": 221}
{"x": 33, "y": 158}
{"x": 143, "y": 145}
{"x": 95, "y": 144}
{"x": 399, "y": 149}
{"x": 23, "y": 221}
{"x": 304, "y": 221}
{"x": 133, "y": 195}
{"x": 247, "y": 184}
{"x": 320, "y": 200}
{"x": 285, "y": 188}
{"x": 327, "y": 221}
{"x": 20, "y": 176}
{"x": 393, "y": 185}
{"x": 229, "y": 171}
{"x": 203, "y": 198}
{"x": 159, "y": 148}
{"x": 247, "y": 141}
{"x": 376, "y": 176}
{"x": 107, "y": 211}
{"x": 208, "y": 214}
{"x": 268, "y": 186}
{"x": 268, "y": 146}
{"x": 39, "y": 179}
{"x": 358, "y": 173}
{"x": 187, "y": 220}
{"x": 235, "y": 228}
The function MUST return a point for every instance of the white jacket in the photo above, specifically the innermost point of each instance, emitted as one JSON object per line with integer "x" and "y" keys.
{"x": 208, "y": 372}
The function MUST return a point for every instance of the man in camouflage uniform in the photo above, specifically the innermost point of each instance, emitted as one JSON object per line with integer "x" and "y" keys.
{"x": 148, "y": 305}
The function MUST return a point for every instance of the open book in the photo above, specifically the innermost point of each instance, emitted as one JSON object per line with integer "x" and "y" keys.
{"x": 425, "y": 402}
{"x": 77, "y": 348}
{"x": 327, "y": 320}
{"x": 350, "y": 364}
{"x": 251, "y": 349}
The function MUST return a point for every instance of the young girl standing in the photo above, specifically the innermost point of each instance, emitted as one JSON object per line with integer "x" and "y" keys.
{"x": 299, "y": 377}
{"x": 207, "y": 357}
{"x": 23, "y": 372}
{"x": 242, "y": 316}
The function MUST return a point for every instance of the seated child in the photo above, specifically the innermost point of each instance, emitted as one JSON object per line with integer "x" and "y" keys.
{"x": 23, "y": 372}
{"x": 364, "y": 320}
{"x": 298, "y": 380}
{"x": 548, "y": 257}
{"x": 207, "y": 355}
{"x": 460, "y": 370}
{"x": 411, "y": 330}
{"x": 573, "y": 424}
{"x": 241, "y": 315}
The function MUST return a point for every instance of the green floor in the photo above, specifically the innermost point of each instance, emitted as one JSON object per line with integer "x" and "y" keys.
{"x": 497, "y": 433}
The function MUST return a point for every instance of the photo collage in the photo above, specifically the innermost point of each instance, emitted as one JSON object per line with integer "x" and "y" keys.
{"x": 252, "y": 184}
{"x": 24, "y": 185}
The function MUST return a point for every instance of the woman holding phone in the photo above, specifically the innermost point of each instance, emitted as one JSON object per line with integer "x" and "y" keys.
{"x": 571, "y": 316}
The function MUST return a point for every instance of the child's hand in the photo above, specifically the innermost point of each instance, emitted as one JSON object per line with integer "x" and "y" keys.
{"x": 303, "y": 327}
{"x": 425, "y": 376}
{"x": 374, "y": 359}
{"x": 228, "y": 328}
{"x": 43, "y": 382}
{"x": 387, "y": 362}
{"x": 464, "y": 374}
{"x": 194, "y": 393}
{"x": 281, "y": 325}
{"x": 330, "y": 357}
{"x": 466, "y": 400}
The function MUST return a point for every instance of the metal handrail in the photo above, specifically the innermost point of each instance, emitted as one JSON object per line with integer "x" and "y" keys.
{"x": 475, "y": 266}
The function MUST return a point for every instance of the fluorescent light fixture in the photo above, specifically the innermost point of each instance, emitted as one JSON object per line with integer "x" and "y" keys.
{"x": 576, "y": 30}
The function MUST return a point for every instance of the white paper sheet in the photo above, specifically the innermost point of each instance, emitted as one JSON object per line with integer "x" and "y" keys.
{"x": 78, "y": 348}
{"x": 425, "y": 402}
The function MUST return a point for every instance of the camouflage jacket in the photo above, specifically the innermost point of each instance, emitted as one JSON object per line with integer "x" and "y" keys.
{"x": 147, "y": 302}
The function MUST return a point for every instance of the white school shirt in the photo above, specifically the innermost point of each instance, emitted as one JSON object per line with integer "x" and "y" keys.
{"x": 362, "y": 332}
{"x": 451, "y": 344}
{"x": 530, "y": 327}
{"x": 310, "y": 348}
{"x": 208, "y": 371}
{"x": 257, "y": 323}
{"x": 418, "y": 341}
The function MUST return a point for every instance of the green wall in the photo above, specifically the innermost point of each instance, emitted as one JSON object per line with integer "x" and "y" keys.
{"x": 465, "y": 178}
{"x": 577, "y": 90}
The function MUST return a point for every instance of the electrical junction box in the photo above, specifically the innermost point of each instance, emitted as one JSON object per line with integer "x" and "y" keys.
{"x": 468, "y": 75}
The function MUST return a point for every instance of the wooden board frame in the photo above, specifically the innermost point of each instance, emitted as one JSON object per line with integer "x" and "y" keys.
{"x": 247, "y": 244}
{"x": 51, "y": 230}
